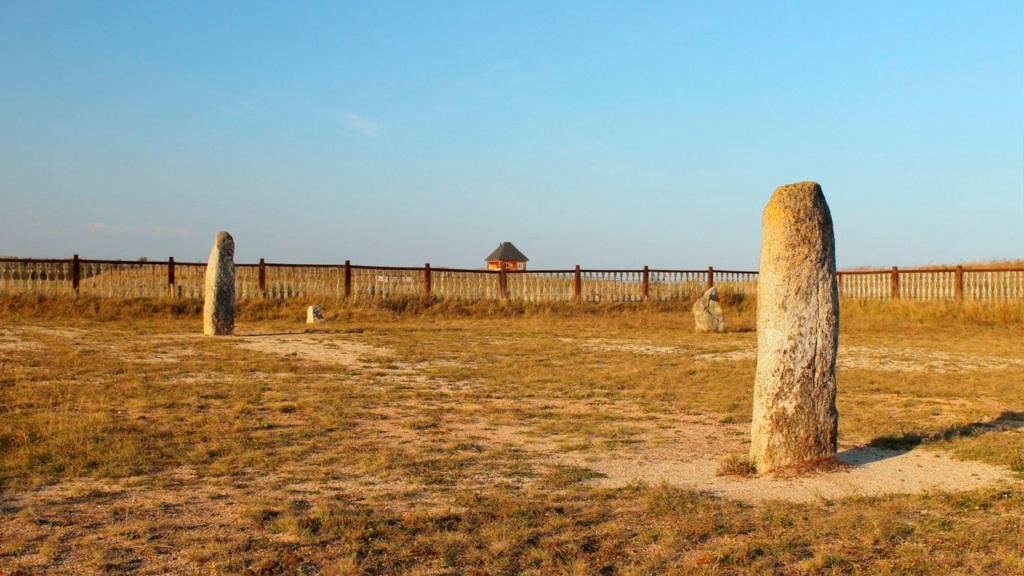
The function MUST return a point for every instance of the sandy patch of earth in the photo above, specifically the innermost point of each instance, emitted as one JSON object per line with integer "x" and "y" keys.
{"x": 685, "y": 450}
{"x": 850, "y": 357}
{"x": 911, "y": 360}
{"x": 872, "y": 472}
{"x": 635, "y": 347}
{"x": 20, "y": 338}
{"x": 57, "y": 332}
{"x": 12, "y": 342}
{"x": 730, "y": 356}
{"x": 312, "y": 347}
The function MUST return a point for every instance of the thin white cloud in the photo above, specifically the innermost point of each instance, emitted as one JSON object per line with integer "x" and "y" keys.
{"x": 177, "y": 232}
{"x": 504, "y": 66}
{"x": 235, "y": 106}
{"x": 137, "y": 231}
{"x": 362, "y": 125}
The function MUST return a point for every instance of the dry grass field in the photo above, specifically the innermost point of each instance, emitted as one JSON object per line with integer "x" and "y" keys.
{"x": 412, "y": 438}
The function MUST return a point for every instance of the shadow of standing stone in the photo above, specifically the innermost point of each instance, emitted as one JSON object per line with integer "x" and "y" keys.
{"x": 219, "y": 302}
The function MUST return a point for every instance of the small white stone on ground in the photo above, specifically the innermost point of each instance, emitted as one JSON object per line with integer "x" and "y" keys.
{"x": 313, "y": 315}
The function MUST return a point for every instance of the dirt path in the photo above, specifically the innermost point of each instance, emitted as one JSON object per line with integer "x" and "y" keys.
{"x": 872, "y": 472}
{"x": 312, "y": 347}
{"x": 688, "y": 451}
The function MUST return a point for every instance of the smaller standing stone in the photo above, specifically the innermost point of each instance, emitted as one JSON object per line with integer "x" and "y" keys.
{"x": 313, "y": 315}
{"x": 707, "y": 313}
{"x": 219, "y": 301}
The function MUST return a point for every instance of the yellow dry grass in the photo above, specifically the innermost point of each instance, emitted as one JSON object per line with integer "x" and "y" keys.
{"x": 419, "y": 437}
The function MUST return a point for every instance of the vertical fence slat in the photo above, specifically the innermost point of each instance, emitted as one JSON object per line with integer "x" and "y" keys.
{"x": 76, "y": 274}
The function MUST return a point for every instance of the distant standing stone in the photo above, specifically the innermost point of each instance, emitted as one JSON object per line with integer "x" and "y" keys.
{"x": 219, "y": 305}
{"x": 707, "y": 312}
{"x": 313, "y": 315}
{"x": 794, "y": 417}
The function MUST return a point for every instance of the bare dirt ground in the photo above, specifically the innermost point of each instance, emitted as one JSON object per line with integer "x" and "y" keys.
{"x": 687, "y": 451}
{"x": 310, "y": 347}
{"x": 885, "y": 359}
{"x": 420, "y": 425}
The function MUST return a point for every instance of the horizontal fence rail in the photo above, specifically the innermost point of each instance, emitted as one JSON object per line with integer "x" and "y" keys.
{"x": 313, "y": 282}
{"x": 934, "y": 284}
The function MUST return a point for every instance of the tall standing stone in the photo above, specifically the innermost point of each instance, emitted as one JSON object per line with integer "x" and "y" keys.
{"x": 795, "y": 418}
{"x": 219, "y": 305}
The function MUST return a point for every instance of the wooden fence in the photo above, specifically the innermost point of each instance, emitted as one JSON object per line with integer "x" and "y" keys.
{"x": 957, "y": 283}
{"x": 171, "y": 279}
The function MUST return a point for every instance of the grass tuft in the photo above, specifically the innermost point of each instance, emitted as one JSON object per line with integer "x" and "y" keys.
{"x": 737, "y": 465}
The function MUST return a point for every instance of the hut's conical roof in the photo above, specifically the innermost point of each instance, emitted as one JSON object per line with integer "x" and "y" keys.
{"x": 506, "y": 251}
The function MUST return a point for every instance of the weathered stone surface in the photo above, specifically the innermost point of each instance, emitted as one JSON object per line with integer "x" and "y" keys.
{"x": 795, "y": 418}
{"x": 707, "y": 312}
{"x": 219, "y": 304}
{"x": 313, "y": 315}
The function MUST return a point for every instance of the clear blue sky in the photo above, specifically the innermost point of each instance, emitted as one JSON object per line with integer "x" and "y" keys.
{"x": 599, "y": 133}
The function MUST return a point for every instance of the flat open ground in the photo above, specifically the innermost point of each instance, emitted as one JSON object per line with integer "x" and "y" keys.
{"x": 490, "y": 442}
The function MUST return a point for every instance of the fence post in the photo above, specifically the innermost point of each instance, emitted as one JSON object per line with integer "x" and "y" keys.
{"x": 348, "y": 278}
{"x": 263, "y": 277}
{"x": 959, "y": 283}
{"x": 170, "y": 275}
{"x": 711, "y": 278}
{"x": 426, "y": 279}
{"x": 577, "y": 286}
{"x": 76, "y": 274}
{"x": 646, "y": 283}
{"x": 503, "y": 284}
{"x": 895, "y": 283}
{"x": 839, "y": 283}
